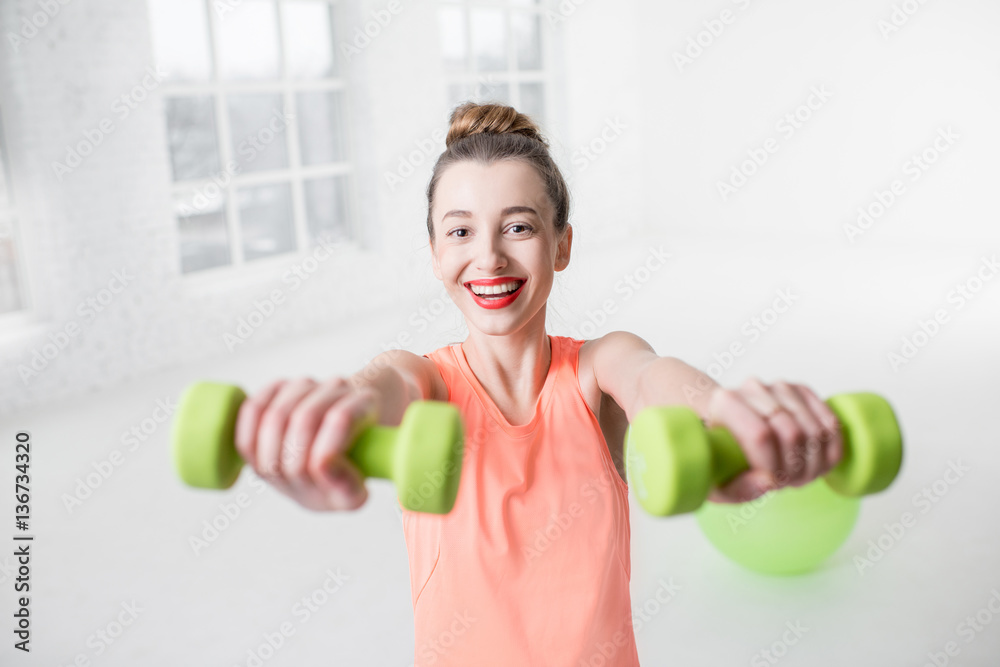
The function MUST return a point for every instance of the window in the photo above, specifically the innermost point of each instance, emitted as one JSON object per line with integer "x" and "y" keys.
{"x": 256, "y": 127}
{"x": 494, "y": 51}
{"x": 11, "y": 266}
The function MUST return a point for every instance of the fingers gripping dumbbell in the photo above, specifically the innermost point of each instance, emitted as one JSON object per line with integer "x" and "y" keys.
{"x": 423, "y": 455}
{"x": 673, "y": 461}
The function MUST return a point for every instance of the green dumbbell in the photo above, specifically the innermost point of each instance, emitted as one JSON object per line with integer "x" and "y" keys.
{"x": 423, "y": 455}
{"x": 673, "y": 461}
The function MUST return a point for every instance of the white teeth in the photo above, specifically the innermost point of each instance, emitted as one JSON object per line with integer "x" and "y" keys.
{"x": 484, "y": 290}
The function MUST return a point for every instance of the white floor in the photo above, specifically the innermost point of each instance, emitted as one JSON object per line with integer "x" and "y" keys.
{"x": 129, "y": 541}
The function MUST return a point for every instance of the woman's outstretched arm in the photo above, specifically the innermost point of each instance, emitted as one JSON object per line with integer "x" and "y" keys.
{"x": 787, "y": 433}
{"x": 630, "y": 371}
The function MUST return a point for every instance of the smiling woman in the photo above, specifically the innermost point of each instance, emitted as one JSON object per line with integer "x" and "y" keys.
{"x": 528, "y": 513}
{"x": 534, "y": 558}
{"x": 496, "y": 195}
{"x": 498, "y": 233}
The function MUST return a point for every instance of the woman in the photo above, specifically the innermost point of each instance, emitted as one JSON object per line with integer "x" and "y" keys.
{"x": 532, "y": 565}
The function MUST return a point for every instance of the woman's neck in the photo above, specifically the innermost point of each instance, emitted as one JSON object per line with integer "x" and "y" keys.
{"x": 511, "y": 368}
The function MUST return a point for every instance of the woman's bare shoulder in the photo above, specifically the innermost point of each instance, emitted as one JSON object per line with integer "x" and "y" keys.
{"x": 614, "y": 361}
{"x": 421, "y": 368}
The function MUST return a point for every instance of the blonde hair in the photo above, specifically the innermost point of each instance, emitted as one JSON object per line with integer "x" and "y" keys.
{"x": 488, "y": 133}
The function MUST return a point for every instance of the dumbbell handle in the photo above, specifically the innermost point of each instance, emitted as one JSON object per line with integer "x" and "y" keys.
{"x": 728, "y": 459}
{"x": 372, "y": 451}
{"x": 875, "y": 421}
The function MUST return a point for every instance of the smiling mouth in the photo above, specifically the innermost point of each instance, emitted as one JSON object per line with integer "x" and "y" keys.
{"x": 498, "y": 301}
{"x": 500, "y": 295}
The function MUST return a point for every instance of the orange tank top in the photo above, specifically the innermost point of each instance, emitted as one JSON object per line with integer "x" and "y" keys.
{"x": 532, "y": 565}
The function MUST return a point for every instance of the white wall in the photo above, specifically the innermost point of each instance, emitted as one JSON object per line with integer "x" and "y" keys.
{"x": 888, "y": 98}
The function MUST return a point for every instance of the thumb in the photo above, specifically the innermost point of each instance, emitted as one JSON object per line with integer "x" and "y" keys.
{"x": 347, "y": 484}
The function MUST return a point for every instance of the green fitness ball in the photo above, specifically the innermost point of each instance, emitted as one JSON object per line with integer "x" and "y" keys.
{"x": 788, "y": 531}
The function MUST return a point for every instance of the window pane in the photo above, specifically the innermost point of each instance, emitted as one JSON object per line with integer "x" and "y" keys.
{"x": 180, "y": 39}
{"x": 499, "y": 93}
{"x": 10, "y": 283}
{"x": 266, "y": 220}
{"x": 248, "y": 41}
{"x": 308, "y": 39}
{"x": 326, "y": 207}
{"x": 320, "y": 127}
{"x": 484, "y": 89}
{"x": 5, "y": 185}
{"x": 191, "y": 132}
{"x": 5, "y": 193}
{"x": 527, "y": 40}
{"x": 259, "y": 131}
{"x": 533, "y": 101}
{"x": 488, "y": 87}
{"x": 452, "y": 22}
{"x": 458, "y": 92}
{"x": 204, "y": 235}
{"x": 489, "y": 39}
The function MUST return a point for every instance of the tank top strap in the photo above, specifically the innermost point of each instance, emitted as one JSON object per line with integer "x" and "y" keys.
{"x": 446, "y": 365}
{"x": 571, "y": 352}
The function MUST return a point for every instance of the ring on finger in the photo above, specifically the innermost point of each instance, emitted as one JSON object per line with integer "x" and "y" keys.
{"x": 778, "y": 409}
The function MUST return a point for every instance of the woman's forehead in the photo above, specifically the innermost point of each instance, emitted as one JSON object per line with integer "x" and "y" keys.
{"x": 481, "y": 189}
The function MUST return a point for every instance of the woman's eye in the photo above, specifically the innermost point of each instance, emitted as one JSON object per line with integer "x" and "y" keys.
{"x": 518, "y": 228}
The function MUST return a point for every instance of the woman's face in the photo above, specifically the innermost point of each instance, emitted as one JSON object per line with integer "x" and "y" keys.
{"x": 496, "y": 222}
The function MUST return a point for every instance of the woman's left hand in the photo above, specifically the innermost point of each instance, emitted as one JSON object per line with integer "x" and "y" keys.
{"x": 788, "y": 435}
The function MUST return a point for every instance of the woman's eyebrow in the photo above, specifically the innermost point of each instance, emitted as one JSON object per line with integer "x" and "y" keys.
{"x": 510, "y": 210}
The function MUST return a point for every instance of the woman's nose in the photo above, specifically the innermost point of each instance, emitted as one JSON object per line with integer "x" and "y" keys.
{"x": 490, "y": 255}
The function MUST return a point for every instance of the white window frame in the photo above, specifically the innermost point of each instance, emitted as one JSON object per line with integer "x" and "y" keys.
{"x": 512, "y": 76}
{"x": 15, "y": 320}
{"x": 239, "y": 271}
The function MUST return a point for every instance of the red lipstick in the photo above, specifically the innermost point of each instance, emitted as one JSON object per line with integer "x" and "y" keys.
{"x": 492, "y": 303}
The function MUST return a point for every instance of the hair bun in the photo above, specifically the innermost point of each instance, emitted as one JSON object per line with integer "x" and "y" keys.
{"x": 471, "y": 118}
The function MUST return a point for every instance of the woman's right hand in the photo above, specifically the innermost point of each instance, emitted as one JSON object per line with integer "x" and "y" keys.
{"x": 296, "y": 434}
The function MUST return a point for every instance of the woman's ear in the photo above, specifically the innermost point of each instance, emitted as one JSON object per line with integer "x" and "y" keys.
{"x": 565, "y": 245}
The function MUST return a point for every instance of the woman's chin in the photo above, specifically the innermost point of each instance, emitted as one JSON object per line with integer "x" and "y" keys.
{"x": 498, "y": 322}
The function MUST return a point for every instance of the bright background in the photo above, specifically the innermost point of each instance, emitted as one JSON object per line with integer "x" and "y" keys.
{"x": 644, "y": 141}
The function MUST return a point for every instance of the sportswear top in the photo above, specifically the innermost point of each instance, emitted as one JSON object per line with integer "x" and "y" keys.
{"x": 532, "y": 565}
